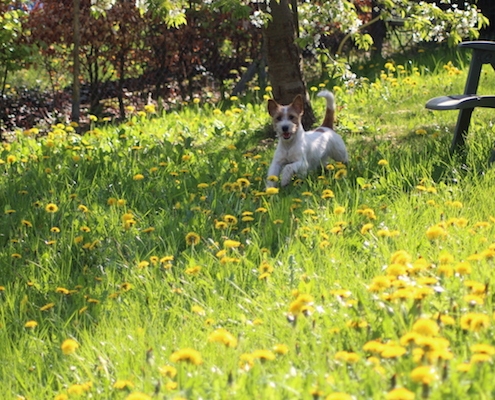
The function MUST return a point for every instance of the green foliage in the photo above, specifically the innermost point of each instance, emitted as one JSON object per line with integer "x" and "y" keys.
{"x": 155, "y": 249}
{"x": 425, "y": 21}
{"x": 13, "y": 53}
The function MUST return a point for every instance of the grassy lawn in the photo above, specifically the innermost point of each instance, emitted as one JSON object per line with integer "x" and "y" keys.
{"x": 146, "y": 260}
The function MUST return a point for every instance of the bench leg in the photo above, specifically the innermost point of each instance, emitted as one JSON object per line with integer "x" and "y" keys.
{"x": 461, "y": 129}
{"x": 492, "y": 157}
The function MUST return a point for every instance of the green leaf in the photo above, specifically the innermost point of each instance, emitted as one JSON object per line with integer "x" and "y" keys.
{"x": 176, "y": 18}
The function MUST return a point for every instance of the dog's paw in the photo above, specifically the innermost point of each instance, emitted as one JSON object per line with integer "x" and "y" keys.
{"x": 271, "y": 181}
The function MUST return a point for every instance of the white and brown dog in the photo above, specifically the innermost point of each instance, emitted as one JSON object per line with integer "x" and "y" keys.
{"x": 298, "y": 151}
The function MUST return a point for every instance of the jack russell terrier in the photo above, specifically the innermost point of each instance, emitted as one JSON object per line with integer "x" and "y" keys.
{"x": 298, "y": 151}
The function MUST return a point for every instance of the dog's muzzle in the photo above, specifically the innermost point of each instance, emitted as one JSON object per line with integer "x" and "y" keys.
{"x": 286, "y": 133}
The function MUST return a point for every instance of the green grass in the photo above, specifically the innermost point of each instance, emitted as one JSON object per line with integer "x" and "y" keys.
{"x": 93, "y": 248}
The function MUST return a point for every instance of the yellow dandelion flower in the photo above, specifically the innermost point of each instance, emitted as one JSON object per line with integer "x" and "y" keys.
{"x": 475, "y": 321}
{"x": 188, "y": 355}
{"x": 298, "y": 305}
{"x": 368, "y": 213}
{"x": 409, "y": 338}
{"x": 230, "y": 219}
{"x": 231, "y": 244}
{"x": 75, "y": 390}
{"x": 464, "y": 367}
{"x": 341, "y": 173}
{"x": 31, "y": 324}
{"x": 221, "y": 225}
{"x": 479, "y": 358}
{"x": 393, "y": 350}
{"x": 366, "y": 228}
{"x": 445, "y": 258}
{"x": 374, "y": 346}
{"x": 198, "y": 310}
{"x": 78, "y": 239}
{"x": 426, "y": 327}
{"x": 396, "y": 270}
{"x": 82, "y": 208}
{"x": 380, "y": 283}
{"x": 47, "y": 307}
{"x": 383, "y": 163}
{"x": 445, "y": 270}
{"x": 138, "y": 396}
{"x": 224, "y": 337}
{"x": 483, "y": 349}
{"x": 263, "y": 355}
{"x": 192, "y": 239}
{"x": 281, "y": 349}
{"x": 339, "y": 210}
{"x": 150, "y": 108}
{"x": 463, "y": 268}
{"x": 327, "y": 194}
{"x": 272, "y": 190}
{"x": 436, "y": 232}
{"x": 51, "y": 208}
{"x": 123, "y": 384}
{"x": 69, "y": 346}
{"x": 348, "y": 357}
{"x": 424, "y": 374}
{"x": 455, "y": 204}
{"x": 193, "y": 270}
{"x": 400, "y": 394}
{"x": 447, "y": 320}
{"x": 168, "y": 371}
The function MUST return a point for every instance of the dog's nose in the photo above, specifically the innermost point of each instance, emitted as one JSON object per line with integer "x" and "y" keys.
{"x": 285, "y": 128}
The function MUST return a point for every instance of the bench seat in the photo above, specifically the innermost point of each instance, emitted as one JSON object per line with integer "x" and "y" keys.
{"x": 483, "y": 53}
{"x": 460, "y": 102}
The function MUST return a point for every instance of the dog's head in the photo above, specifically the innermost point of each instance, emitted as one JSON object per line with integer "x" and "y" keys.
{"x": 286, "y": 119}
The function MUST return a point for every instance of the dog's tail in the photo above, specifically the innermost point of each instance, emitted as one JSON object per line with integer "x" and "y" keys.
{"x": 330, "y": 112}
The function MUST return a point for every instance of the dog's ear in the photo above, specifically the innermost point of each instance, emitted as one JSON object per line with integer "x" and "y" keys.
{"x": 272, "y": 107}
{"x": 298, "y": 104}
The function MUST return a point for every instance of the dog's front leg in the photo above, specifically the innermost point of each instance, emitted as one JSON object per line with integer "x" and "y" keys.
{"x": 274, "y": 170}
{"x": 295, "y": 168}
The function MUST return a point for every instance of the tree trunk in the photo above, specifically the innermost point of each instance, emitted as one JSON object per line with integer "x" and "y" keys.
{"x": 284, "y": 58}
{"x": 120, "y": 94}
{"x": 76, "y": 86}
{"x": 377, "y": 30}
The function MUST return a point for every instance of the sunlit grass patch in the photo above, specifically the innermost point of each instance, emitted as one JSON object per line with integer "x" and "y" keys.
{"x": 149, "y": 259}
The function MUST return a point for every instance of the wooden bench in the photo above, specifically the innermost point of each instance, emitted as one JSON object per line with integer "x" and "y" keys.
{"x": 483, "y": 53}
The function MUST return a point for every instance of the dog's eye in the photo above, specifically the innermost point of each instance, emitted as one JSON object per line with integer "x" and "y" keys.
{"x": 291, "y": 117}
{"x": 279, "y": 118}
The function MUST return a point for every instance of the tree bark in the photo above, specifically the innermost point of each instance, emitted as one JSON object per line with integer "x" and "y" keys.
{"x": 76, "y": 86}
{"x": 285, "y": 60}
